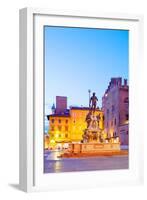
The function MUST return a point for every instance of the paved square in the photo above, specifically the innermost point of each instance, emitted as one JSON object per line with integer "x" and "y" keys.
{"x": 54, "y": 164}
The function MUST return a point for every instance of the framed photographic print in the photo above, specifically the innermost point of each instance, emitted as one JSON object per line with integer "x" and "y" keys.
{"x": 79, "y": 102}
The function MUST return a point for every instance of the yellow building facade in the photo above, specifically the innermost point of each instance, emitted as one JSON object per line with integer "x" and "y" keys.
{"x": 70, "y": 127}
{"x": 59, "y": 129}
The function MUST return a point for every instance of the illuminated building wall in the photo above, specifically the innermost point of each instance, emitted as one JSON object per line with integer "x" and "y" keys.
{"x": 115, "y": 105}
{"x": 70, "y": 127}
{"x": 78, "y": 123}
{"x": 59, "y": 128}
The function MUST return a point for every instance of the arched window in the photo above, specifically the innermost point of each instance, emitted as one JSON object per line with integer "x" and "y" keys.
{"x": 126, "y": 100}
{"x": 127, "y": 116}
{"x": 113, "y": 108}
{"x": 115, "y": 121}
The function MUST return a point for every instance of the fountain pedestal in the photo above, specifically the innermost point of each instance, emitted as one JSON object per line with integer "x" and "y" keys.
{"x": 92, "y": 134}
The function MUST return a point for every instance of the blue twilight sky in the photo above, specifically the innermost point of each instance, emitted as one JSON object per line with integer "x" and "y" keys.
{"x": 78, "y": 59}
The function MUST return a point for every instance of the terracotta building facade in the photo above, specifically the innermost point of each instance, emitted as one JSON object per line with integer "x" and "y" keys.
{"x": 115, "y": 106}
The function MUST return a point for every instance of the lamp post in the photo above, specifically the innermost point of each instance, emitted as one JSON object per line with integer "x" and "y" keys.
{"x": 89, "y": 91}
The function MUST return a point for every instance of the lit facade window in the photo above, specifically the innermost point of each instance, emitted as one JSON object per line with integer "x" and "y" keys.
{"x": 66, "y": 128}
{"x": 59, "y": 128}
{"x": 52, "y": 120}
{"x": 66, "y": 121}
{"x": 59, "y": 121}
{"x": 52, "y": 128}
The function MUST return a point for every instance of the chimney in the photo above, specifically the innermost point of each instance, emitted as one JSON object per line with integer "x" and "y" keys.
{"x": 125, "y": 82}
{"x": 119, "y": 81}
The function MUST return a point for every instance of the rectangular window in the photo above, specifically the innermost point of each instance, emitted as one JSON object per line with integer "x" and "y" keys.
{"x": 66, "y": 128}
{"x": 113, "y": 108}
{"x": 52, "y": 128}
{"x": 59, "y": 128}
{"x": 66, "y": 135}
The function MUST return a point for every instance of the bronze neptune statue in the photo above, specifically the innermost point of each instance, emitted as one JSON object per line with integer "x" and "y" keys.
{"x": 93, "y": 102}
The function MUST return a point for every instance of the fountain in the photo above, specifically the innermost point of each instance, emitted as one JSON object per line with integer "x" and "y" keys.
{"x": 93, "y": 140}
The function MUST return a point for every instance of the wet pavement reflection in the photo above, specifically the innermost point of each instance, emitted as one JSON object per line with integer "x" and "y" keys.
{"x": 52, "y": 163}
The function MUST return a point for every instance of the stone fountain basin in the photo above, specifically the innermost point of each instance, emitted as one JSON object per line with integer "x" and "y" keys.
{"x": 93, "y": 147}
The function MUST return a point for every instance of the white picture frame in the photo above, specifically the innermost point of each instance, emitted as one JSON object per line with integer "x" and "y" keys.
{"x": 31, "y": 100}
